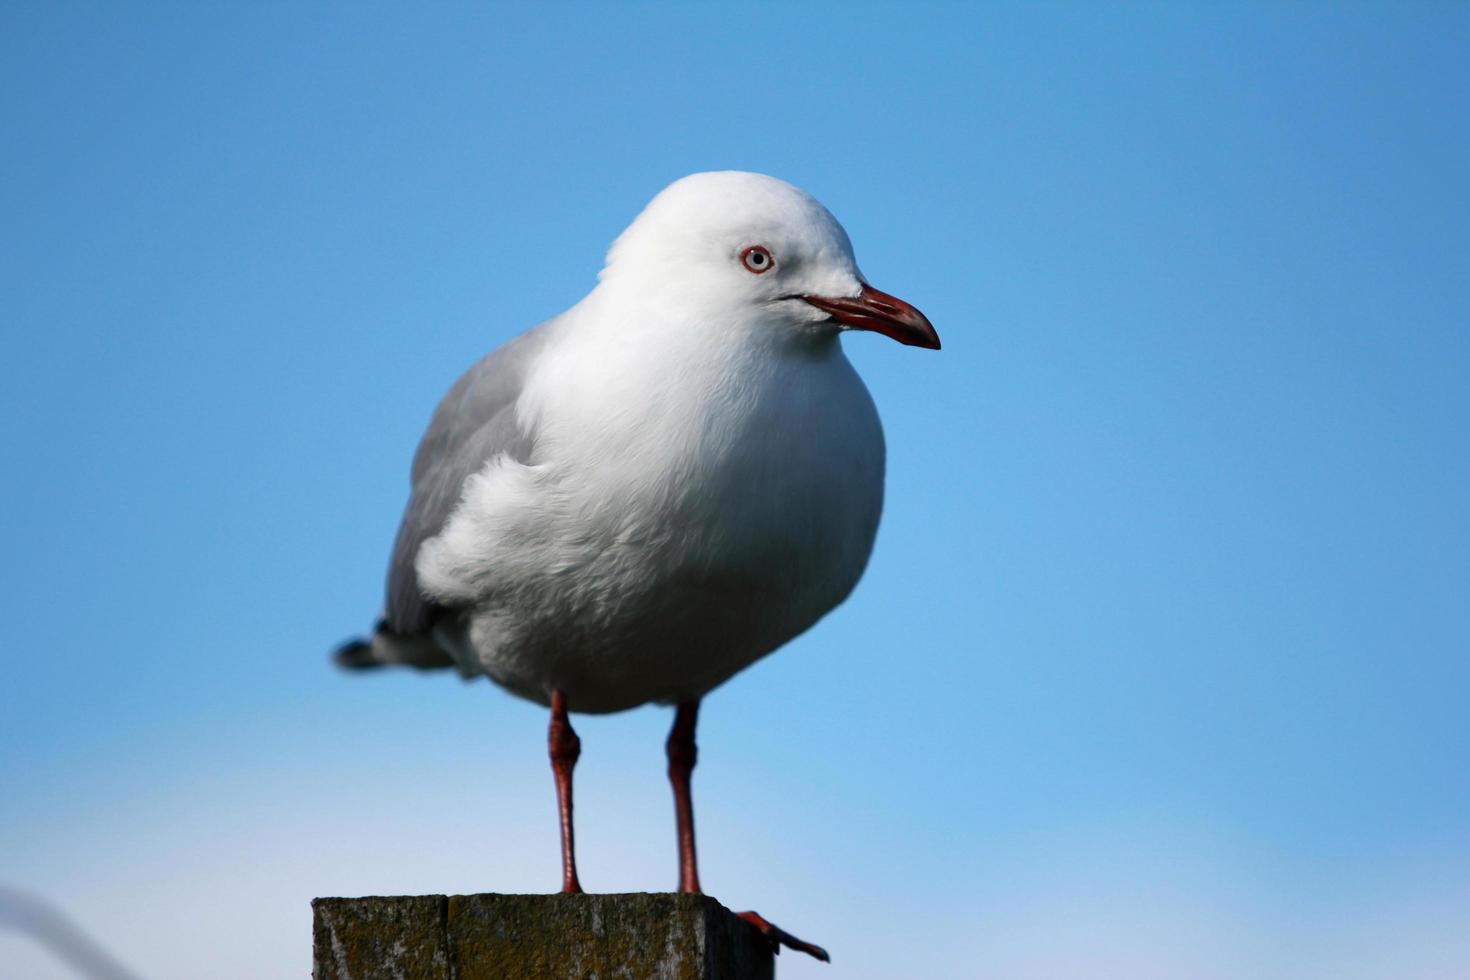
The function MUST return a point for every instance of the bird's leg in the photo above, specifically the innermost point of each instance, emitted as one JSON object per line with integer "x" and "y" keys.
{"x": 682, "y": 755}
{"x": 779, "y": 937}
{"x": 564, "y": 747}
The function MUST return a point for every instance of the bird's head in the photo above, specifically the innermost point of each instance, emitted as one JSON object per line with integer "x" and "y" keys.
{"x": 753, "y": 249}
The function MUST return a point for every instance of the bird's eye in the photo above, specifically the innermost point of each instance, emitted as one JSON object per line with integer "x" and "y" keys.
{"x": 758, "y": 259}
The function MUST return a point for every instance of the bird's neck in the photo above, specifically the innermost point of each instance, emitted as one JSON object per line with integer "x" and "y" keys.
{"x": 674, "y": 326}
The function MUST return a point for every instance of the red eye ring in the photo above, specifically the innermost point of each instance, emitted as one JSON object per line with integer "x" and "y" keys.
{"x": 758, "y": 259}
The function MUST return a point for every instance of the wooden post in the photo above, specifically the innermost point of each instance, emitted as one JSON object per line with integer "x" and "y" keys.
{"x": 639, "y": 936}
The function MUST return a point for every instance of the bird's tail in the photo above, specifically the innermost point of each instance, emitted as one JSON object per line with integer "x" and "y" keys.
{"x": 386, "y": 647}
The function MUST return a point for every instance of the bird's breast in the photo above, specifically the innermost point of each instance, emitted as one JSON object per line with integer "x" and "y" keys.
{"x": 751, "y": 469}
{"x": 673, "y": 526}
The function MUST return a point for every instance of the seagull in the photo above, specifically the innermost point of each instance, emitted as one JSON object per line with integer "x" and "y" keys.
{"x": 636, "y": 499}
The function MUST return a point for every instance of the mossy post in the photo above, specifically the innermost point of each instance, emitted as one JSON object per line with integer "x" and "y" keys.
{"x": 535, "y": 937}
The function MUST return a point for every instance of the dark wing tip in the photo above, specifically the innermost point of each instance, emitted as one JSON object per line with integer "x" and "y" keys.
{"x": 356, "y": 655}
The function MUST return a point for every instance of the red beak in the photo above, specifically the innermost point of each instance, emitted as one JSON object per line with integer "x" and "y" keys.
{"x": 874, "y": 309}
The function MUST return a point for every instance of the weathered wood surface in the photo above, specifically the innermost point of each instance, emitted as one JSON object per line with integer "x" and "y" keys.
{"x": 640, "y": 936}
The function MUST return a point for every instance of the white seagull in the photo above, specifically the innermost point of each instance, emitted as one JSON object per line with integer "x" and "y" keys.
{"x": 640, "y": 497}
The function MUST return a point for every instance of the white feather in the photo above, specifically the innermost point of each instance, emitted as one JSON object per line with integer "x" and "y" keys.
{"x": 707, "y": 471}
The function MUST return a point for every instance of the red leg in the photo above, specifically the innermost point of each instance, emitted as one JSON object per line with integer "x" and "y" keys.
{"x": 564, "y": 747}
{"x": 682, "y": 755}
{"x": 779, "y": 937}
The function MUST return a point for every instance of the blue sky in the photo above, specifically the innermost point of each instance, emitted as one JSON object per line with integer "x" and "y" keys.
{"x": 1160, "y": 668}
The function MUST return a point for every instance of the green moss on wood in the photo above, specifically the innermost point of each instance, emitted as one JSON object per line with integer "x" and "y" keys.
{"x": 536, "y": 937}
{"x": 390, "y": 938}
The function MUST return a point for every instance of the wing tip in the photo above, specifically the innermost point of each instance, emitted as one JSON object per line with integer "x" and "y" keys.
{"x": 387, "y": 647}
{"x": 356, "y": 654}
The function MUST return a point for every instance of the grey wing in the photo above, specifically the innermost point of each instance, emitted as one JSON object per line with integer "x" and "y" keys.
{"x": 475, "y": 422}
